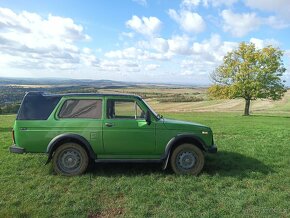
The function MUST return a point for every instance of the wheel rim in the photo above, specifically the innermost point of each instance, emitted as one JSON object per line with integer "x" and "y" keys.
{"x": 186, "y": 160}
{"x": 69, "y": 160}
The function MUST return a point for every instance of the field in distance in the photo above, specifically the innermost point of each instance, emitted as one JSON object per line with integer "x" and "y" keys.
{"x": 161, "y": 97}
{"x": 164, "y": 99}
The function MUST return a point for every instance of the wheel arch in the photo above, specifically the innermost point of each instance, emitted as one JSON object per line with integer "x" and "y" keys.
{"x": 69, "y": 137}
{"x": 178, "y": 140}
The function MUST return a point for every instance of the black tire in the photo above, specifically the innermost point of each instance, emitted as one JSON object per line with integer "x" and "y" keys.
{"x": 187, "y": 159}
{"x": 70, "y": 159}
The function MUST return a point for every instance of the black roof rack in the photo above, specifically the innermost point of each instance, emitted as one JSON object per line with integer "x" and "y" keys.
{"x": 80, "y": 94}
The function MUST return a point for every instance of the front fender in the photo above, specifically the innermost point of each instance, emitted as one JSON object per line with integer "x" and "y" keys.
{"x": 177, "y": 139}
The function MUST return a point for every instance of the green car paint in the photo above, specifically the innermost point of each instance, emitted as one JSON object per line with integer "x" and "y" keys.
{"x": 144, "y": 137}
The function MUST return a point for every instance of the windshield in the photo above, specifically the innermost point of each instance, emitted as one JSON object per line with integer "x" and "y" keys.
{"x": 154, "y": 113}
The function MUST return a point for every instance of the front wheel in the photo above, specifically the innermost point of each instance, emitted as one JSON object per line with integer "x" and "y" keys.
{"x": 70, "y": 159}
{"x": 187, "y": 159}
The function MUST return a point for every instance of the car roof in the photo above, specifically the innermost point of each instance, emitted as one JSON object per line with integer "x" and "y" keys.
{"x": 82, "y": 94}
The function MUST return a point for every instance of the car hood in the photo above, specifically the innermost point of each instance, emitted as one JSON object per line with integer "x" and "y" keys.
{"x": 182, "y": 125}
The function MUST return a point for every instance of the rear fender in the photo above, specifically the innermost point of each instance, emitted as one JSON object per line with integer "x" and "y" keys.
{"x": 68, "y": 137}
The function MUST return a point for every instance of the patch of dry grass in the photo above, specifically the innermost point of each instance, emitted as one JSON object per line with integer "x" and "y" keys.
{"x": 154, "y": 96}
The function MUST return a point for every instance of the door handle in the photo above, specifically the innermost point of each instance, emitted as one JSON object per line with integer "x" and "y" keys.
{"x": 109, "y": 124}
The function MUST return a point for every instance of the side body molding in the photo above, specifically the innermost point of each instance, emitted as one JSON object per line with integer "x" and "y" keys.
{"x": 69, "y": 137}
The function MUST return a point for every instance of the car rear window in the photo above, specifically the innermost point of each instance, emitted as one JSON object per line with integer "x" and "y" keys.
{"x": 37, "y": 106}
{"x": 81, "y": 108}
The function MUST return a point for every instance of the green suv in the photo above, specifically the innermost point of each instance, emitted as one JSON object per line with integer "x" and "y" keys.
{"x": 74, "y": 129}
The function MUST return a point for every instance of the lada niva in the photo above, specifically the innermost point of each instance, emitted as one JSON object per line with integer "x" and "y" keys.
{"x": 74, "y": 129}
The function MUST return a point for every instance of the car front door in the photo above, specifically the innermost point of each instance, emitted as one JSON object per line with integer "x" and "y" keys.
{"x": 126, "y": 133}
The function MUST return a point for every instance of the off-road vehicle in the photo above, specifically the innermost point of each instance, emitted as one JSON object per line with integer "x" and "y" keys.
{"x": 74, "y": 129}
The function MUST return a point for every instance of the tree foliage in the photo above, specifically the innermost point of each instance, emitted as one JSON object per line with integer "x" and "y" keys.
{"x": 249, "y": 73}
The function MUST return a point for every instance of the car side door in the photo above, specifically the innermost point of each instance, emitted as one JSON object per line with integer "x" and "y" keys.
{"x": 126, "y": 134}
{"x": 81, "y": 116}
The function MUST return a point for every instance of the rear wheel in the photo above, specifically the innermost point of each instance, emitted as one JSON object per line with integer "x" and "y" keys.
{"x": 70, "y": 159}
{"x": 187, "y": 159}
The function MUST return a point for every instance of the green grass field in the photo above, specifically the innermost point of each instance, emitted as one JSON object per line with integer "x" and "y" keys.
{"x": 249, "y": 177}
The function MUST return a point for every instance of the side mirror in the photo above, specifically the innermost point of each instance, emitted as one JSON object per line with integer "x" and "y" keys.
{"x": 148, "y": 117}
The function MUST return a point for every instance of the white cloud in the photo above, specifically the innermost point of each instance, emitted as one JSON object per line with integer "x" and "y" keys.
{"x": 206, "y": 56}
{"x": 196, "y": 66}
{"x": 130, "y": 52}
{"x": 137, "y": 54}
{"x": 187, "y": 73}
{"x": 239, "y": 24}
{"x": 128, "y": 34}
{"x": 104, "y": 66}
{"x": 128, "y": 63}
{"x": 146, "y": 25}
{"x": 287, "y": 53}
{"x": 156, "y": 56}
{"x": 180, "y": 45}
{"x": 159, "y": 44}
{"x": 189, "y": 4}
{"x": 30, "y": 41}
{"x": 119, "y": 65}
{"x": 141, "y": 2}
{"x": 281, "y": 7}
{"x": 208, "y": 52}
{"x": 217, "y": 3}
{"x": 88, "y": 58}
{"x": 151, "y": 67}
{"x": 275, "y": 22}
{"x": 261, "y": 43}
{"x": 213, "y": 49}
{"x": 190, "y": 22}
{"x": 166, "y": 48}
{"x": 200, "y": 58}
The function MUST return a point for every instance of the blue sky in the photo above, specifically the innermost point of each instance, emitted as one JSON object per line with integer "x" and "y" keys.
{"x": 135, "y": 40}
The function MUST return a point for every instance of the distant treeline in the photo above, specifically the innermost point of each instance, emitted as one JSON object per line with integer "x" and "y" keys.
{"x": 182, "y": 99}
{"x": 9, "y": 109}
{"x": 11, "y": 96}
{"x": 172, "y": 97}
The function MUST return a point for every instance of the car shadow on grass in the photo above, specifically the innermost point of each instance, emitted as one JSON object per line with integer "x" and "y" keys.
{"x": 124, "y": 169}
{"x": 223, "y": 163}
{"x": 226, "y": 163}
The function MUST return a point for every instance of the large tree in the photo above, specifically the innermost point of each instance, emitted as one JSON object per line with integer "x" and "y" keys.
{"x": 249, "y": 73}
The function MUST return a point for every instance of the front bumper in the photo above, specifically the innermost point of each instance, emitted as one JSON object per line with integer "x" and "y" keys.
{"x": 212, "y": 149}
{"x": 16, "y": 149}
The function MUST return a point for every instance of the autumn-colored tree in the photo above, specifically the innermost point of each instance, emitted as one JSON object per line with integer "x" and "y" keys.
{"x": 249, "y": 73}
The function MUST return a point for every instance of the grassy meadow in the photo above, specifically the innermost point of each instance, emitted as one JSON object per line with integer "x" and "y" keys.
{"x": 248, "y": 177}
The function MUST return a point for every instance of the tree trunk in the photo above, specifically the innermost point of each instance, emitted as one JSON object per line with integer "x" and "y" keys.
{"x": 247, "y": 107}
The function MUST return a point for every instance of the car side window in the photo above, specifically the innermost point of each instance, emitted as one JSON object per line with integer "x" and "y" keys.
{"x": 81, "y": 108}
{"x": 124, "y": 109}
